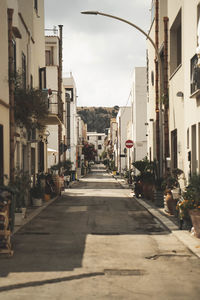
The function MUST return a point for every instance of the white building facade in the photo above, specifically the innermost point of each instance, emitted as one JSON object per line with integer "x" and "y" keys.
{"x": 139, "y": 114}
{"x": 124, "y": 126}
{"x": 178, "y": 39}
{"x": 97, "y": 139}
{"x": 56, "y": 96}
{"x": 71, "y": 119}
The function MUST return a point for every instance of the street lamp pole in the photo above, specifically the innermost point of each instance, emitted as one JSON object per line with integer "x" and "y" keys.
{"x": 159, "y": 131}
{"x": 127, "y": 22}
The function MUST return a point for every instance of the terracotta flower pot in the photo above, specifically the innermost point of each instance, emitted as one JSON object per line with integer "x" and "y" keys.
{"x": 170, "y": 202}
{"x": 195, "y": 217}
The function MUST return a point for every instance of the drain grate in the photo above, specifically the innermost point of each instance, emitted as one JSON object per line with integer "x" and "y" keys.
{"x": 124, "y": 272}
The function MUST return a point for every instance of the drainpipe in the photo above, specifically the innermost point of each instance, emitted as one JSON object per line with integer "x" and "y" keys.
{"x": 11, "y": 92}
{"x": 166, "y": 92}
{"x": 157, "y": 87}
{"x": 60, "y": 107}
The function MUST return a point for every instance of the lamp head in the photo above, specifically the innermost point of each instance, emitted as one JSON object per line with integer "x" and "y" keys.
{"x": 90, "y": 12}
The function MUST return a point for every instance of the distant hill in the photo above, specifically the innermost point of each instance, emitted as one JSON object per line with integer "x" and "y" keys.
{"x": 97, "y": 118}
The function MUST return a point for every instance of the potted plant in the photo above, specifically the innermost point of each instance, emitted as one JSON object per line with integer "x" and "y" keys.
{"x": 37, "y": 195}
{"x": 171, "y": 188}
{"x": 190, "y": 205}
{"x": 146, "y": 177}
{"x": 20, "y": 188}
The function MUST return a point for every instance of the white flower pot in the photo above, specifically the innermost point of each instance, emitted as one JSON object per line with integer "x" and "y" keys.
{"x": 24, "y": 212}
{"x": 18, "y": 218}
{"x": 37, "y": 201}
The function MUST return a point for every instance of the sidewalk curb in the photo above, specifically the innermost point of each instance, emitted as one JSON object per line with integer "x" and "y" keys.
{"x": 191, "y": 242}
{"x": 182, "y": 235}
{"x": 33, "y": 214}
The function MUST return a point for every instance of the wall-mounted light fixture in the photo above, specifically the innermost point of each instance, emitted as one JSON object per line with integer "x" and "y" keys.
{"x": 180, "y": 94}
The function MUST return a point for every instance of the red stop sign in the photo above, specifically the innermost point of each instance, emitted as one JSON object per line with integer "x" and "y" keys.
{"x": 129, "y": 144}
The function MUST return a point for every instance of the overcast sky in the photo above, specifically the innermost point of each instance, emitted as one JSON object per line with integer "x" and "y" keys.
{"x": 101, "y": 52}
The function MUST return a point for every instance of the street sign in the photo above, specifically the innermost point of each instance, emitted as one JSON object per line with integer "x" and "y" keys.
{"x": 129, "y": 144}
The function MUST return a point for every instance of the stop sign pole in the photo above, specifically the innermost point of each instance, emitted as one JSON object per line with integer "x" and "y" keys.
{"x": 129, "y": 144}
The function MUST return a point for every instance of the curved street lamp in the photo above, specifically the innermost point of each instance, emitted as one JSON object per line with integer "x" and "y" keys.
{"x": 127, "y": 22}
{"x": 158, "y": 138}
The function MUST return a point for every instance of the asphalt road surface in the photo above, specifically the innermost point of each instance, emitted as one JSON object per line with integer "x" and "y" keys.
{"x": 96, "y": 242}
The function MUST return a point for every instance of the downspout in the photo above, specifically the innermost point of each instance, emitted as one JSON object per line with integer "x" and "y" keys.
{"x": 157, "y": 86}
{"x": 166, "y": 92}
{"x": 60, "y": 106}
{"x": 11, "y": 93}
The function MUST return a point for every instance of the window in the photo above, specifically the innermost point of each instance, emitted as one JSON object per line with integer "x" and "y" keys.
{"x": 176, "y": 44}
{"x": 31, "y": 81}
{"x": 42, "y": 78}
{"x": 40, "y": 156}
{"x": 88, "y": 138}
{"x": 36, "y": 5}
{"x": 49, "y": 57}
{"x": 32, "y": 161}
{"x": 1, "y": 155}
{"x": 174, "y": 149}
{"x": 193, "y": 149}
{"x": 14, "y": 56}
{"x": 18, "y": 154}
{"x": 99, "y": 147}
{"x": 69, "y": 94}
{"x": 99, "y": 138}
{"x": 188, "y": 138}
{"x": 23, "y": 71}
{"x": 194, "y": 75}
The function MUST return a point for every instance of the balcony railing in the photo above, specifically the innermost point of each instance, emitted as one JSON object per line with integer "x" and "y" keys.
{"x": 52, "y": 101}
{"x": 194, "y": 77}
{"x": 51, "y": 32}
{"x": 55, "y": 108}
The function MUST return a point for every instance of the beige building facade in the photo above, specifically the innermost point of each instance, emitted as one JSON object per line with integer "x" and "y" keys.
{"x": 4, "y": 94}
{"x": 22, "y": 33}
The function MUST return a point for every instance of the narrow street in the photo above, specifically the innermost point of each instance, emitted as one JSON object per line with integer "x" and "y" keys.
{"x": 96, "y": 242}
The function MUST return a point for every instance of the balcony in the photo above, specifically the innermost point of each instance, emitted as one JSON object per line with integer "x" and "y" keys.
{"x": 194, "y": 78}
{"x": 55, "y": 108}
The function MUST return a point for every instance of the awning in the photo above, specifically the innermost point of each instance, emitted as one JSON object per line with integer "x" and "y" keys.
{"x": 51, "y": 150}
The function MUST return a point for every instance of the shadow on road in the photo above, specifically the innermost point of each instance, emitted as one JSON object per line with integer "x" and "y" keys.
{"x": 49, "y": 281}
{"x": 55, "y": 239}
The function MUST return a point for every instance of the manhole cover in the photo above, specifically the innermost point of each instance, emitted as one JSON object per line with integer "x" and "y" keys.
{"x": 124, "y": 272}
{"x": 76, "y": 209}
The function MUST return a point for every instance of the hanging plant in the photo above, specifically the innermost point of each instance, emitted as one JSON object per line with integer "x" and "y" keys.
{"x": 31, "y": 106}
